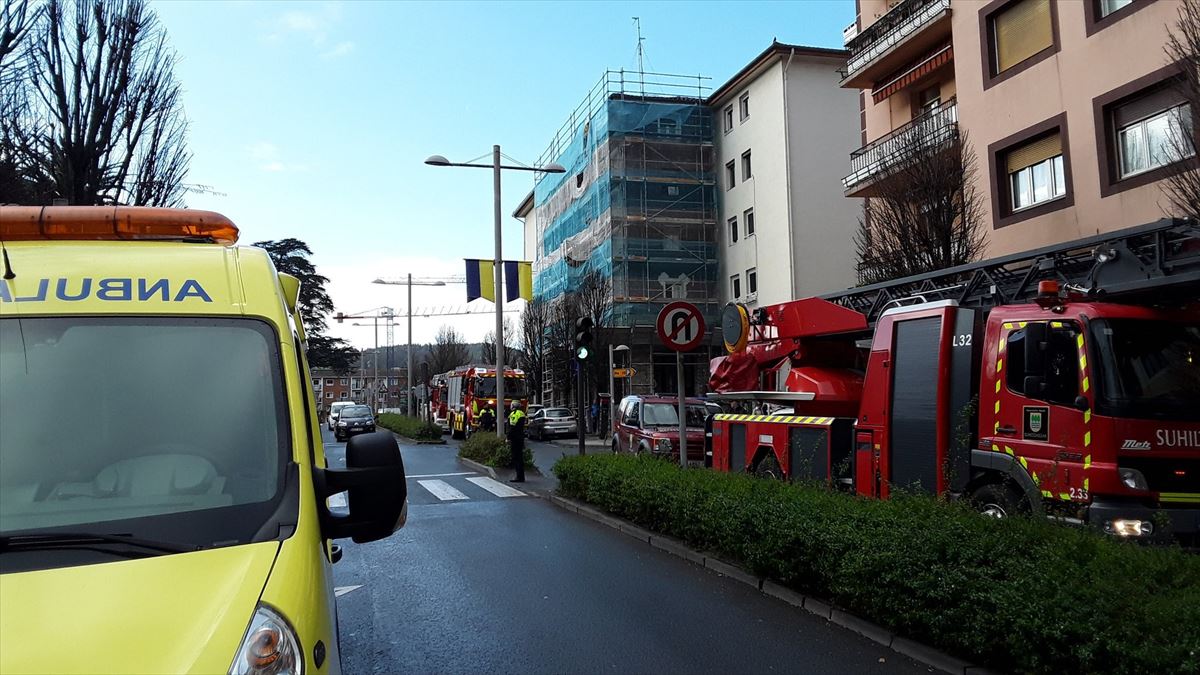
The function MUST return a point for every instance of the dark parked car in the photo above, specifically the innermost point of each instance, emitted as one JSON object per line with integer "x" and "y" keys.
{"x": 355, "y": 419}
{"x": 550, "y": 422}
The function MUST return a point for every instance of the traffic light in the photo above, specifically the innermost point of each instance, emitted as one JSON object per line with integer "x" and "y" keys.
{"x": 583, "y": 337}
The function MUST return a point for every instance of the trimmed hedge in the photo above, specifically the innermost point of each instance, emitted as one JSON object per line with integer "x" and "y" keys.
{"x": 1018, "y": 594}
{"x": 412, "y": 427}
{"x": 487, "y": 448}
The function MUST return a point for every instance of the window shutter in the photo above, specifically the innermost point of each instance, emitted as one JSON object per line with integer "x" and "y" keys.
{"x": 1146, "y": 105}
{"x": 1021, "y": 30}
{"x": 1032, "y": 153}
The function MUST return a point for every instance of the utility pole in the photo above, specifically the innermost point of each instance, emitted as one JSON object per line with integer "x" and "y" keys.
{"x": 408, "y": 372}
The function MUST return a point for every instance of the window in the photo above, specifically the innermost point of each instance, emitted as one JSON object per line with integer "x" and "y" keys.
{"x": 746, "y": 166}
{"x": 329, "y": 394}
{"x": 343, "y": 381}
{"x": 729, "y": 118}
{"x": 1036, "y": 172}
{"x": 744, "y": 106}
{"x": 1061, "y": 376}
{"x": 748, "y": 218}
{"x": 730, "y": 175}
{"x": 733, "y": 230}
{"x": 735, "y": 286}
{"x": 329, "y": 382}
{"x": 343, "y": 396}
{"x": 752, "y": 281}
{"x": 631, "y": 414}
{"x": 668, "y": 127}
{"x": 672, "y": 190}
{"x": 316, "y": 383}
{"x": 1019, "y": 31}
{"x": 1147, "y": 140}
{"x": 929, "y": 99}
{"x": 1109, "y": 6}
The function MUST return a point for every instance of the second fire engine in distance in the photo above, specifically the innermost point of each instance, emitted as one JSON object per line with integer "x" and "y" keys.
{"x": 1064, "y": 381}
{"x": 470, "y": 390}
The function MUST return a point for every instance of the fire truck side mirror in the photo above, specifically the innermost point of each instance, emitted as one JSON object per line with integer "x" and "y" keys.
{"x": 1035, "y": 349}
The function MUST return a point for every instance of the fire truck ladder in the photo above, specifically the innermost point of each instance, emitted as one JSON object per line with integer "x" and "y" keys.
{"x": 1157, "y": 263}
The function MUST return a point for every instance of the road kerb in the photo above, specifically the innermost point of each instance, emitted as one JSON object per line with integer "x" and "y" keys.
{"x": 564, "y": 503}
{"x": 871, "y": 631}
{"x": 821, "y": 609}
{"x": 785, "y": 594}
{"x": 932, "y": 657}
{"x": 482, "y": 468}
{"x": 635, "y": 531}
{"x": 676, "y": 548}
{"x": 731, "y": 571}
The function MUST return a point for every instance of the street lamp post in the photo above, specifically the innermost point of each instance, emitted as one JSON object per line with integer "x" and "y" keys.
{"x": 498, "y": 263}
{"x": 408, "y": 351}
{"x": 612, "y": 383}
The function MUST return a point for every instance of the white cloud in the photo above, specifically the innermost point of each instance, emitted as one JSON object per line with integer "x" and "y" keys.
{"x": 267, "y": 156}
{"x": 342, "y": 49}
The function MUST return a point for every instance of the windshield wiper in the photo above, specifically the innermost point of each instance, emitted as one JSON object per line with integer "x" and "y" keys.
{"x": 63, "y": 540}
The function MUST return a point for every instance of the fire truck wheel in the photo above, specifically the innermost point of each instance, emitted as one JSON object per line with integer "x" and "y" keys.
{"x": 996, "y": 501}
{"x": 768, "y": 467}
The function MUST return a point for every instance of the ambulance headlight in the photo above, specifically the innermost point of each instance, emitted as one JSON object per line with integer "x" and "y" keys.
{"x": 270, "y": 647}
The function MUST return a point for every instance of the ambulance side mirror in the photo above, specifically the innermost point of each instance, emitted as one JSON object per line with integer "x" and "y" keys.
{"x": 376, "y": 491}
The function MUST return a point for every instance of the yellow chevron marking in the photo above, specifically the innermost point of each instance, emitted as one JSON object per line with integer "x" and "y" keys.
{"x": 997, "y": 407}
{"x": 1046, "y": 493}
{"x": 1023, "y": 324}
{"x": 1079, "y": 340}
{"x": 1086, "y": 384}
{"x": 1008, "y": 450}
{"x": 997, "y": 385}
{"x": 1085, "y": 484}
{"x": 1087, "y": 416}
{"x": 995, "y": 447}
{"x": 1003, "y": 342}
{"x": 1087, "y": 438}
{"x": 1083, "y": 361}
{"x": 1008, "y": 326}
{"x": 1087, "y": 461}
{"x": 1036, "y": 480}
{"x": 996, "y": 428}
{"x": 1024, "y": 463}
{"x": 1064, "y": 496}
{"x": 1000, "y": 365}
{"x": 1056, "y": 324}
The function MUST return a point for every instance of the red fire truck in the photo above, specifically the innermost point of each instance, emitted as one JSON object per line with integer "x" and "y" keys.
{"x": 1063, "y": 381}
{"x": 472, "y": 389}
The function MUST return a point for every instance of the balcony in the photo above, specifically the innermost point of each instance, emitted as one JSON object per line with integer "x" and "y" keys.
{"x": 908, "y": 30}
{"x": 936, "y": 128}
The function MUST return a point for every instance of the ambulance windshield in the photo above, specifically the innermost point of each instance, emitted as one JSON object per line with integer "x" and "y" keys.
{"x": 166, "y": 429}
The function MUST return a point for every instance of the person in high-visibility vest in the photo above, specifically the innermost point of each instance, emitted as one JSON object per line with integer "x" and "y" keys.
{"x": 516, "y": 440}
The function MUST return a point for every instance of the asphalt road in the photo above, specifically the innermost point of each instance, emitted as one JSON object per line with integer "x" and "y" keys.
{"x": 484, "y": 578}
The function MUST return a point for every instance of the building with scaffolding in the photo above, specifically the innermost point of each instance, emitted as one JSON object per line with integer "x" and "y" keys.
{"x": 635, "y": 208}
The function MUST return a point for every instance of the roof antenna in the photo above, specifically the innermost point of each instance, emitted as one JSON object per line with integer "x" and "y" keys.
{"x": 641, "y": 52}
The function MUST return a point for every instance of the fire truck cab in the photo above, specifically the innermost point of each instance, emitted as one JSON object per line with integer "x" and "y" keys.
{"x": 472, "y": 389}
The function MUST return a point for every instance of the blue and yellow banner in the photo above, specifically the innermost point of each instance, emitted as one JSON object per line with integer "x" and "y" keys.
{"x": 518, "y": 280}
{"x": 481, "y": 279}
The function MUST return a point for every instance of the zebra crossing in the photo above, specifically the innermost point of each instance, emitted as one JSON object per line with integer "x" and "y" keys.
{"x": 438, "y": 488}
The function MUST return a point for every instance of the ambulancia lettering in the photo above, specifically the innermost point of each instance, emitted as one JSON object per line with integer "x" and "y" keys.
{"x": 1178, "y": 438}
{"x": 114, "y": 289}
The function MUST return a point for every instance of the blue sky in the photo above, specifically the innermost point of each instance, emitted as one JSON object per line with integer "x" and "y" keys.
{"x": 314, "y": 117}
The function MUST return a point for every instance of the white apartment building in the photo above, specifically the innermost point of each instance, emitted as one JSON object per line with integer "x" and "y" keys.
{"x": 784, "y": 129}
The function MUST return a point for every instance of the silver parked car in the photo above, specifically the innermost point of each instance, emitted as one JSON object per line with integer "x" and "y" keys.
{"x": 550, "y": 422}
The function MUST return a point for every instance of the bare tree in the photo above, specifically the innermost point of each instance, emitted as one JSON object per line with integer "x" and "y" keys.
{"x": 926, "y": 214}
{"x": 19, "y": 182}
{"x": 1182, "y": 187}
{"x": 448, "y": 351}
{"x": 108, "y": 115}
{"x": 535, "y": 323}
{"x": 488, "y": 348}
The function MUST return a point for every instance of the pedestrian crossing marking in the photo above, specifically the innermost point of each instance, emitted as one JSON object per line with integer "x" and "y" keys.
{"x": 339, "y": 591}
{"x": 442, "y": 490}
{"x": 439, "y": 475}
{"x": 495, "y": 487}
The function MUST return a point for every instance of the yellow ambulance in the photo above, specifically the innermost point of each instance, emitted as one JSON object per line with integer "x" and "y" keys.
{"x": 163, "y": 487}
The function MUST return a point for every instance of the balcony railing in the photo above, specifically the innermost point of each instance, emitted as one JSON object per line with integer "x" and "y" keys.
{"x": 903, "y": 20}
{"x": 932, "y": 129}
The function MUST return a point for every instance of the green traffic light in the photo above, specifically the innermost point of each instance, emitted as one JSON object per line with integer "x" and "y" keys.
{"x": 582, "y": 353}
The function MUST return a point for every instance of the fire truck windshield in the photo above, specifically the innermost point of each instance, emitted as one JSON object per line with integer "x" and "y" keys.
{"x": 1147, "y": 369}
{"x": 514, "y": 387}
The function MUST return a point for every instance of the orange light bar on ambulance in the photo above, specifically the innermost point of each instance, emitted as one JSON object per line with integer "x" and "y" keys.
{"x": 114, "y": 222}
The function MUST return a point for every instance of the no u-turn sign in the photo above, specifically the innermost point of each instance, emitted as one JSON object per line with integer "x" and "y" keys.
{"x": 680, "y": 326}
